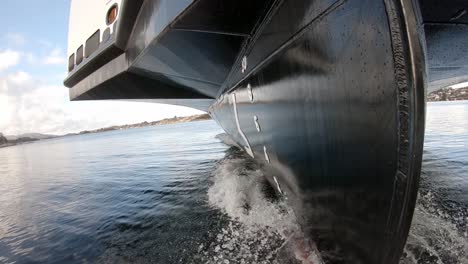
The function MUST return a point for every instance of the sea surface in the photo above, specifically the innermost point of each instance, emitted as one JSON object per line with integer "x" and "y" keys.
{"x": 177, "y": 194}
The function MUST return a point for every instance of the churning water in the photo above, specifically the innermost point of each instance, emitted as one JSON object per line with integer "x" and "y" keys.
{"x": 439, "y": 232}
{"x": 177, "y": 194}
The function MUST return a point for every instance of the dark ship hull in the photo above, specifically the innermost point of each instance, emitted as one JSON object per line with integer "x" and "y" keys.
{"x": 329, "y": 95}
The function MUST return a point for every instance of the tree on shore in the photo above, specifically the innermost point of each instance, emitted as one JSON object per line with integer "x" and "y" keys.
{"x": 3, "y": 139}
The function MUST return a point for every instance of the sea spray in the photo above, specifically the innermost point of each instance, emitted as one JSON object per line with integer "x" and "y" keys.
{"x": 433, "y": 238}
{"x": 238, "y": 191}
{"x": 261, "y": 228}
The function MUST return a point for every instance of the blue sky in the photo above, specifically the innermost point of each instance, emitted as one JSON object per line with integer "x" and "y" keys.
{"x": 33, "y": 42}
{"x": 35, "y": 28}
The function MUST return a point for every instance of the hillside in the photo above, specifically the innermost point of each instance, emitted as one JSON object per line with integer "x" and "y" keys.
{"x": 23, "y": 138}
{"x": 29, "y": 135}
{"x": 448, "y": 94}
{"x": 166, "y": 121}
{"x": 3, "y": 139}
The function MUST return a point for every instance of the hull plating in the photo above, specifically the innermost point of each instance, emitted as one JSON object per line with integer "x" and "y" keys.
{"x": 327, "y": 94}
{"x": 336, "y": 114}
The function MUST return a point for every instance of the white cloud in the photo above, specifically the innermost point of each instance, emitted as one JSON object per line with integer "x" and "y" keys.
{"x": 30, "y": 58}
{"x": 16, "y": 84}
{"x": 20, "y": 77}
{"x": 28, "y": 105}
{"x": 15, "y": 39}
{"x": 460, "y": 85}
{"x": 55, "y": 57}
{"x": 45, "y": 43}
{"x": 8, "y": 59}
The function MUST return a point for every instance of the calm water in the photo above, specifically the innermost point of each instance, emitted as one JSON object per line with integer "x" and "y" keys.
{"x": 168, "y": 194}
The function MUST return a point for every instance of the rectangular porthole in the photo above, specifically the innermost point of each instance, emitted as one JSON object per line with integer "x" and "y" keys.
{"x": 92, "y": 44}
{"x": 79, "y": 55}
{"x": 71, "y": 62}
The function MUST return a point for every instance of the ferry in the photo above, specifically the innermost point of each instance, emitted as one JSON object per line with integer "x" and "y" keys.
{"x": 327, "y": 95}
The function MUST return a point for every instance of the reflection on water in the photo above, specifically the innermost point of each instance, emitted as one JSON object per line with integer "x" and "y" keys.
{"x": 439, "y": 232}
{"x": 168, "y": 194}
{"x": 112, "y": 196}
{"x": 445, "y": 164}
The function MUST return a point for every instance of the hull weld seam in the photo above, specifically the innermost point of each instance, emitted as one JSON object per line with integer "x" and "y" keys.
{"x": 247, "y": 147}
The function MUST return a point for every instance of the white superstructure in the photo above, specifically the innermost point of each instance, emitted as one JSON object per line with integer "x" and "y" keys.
{"x": 86, "y": 17}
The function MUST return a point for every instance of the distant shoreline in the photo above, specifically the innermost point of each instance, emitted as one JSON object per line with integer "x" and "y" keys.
{"x": 17, "y": 140}
{"x": 441, "y": 95}
{"x": 443, "y": 101}
{"x": 166, "y": 121}
{"x": 448, "y": 94}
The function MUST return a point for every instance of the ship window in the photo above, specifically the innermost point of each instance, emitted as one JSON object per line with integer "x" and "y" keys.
{"x": 71, "y": 62}
{"x": 92, "y": 44}
{"x": 79, "y": 55}
{"x": 111, "y": 14}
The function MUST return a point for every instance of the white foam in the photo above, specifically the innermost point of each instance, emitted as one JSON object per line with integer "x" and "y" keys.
{"x": 258, "y": 227}
{"x": 433, "y": 238}
{"x": 237, "y": 191}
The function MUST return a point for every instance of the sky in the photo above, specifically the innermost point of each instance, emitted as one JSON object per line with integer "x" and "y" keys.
{"x": 33, "y": 42}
